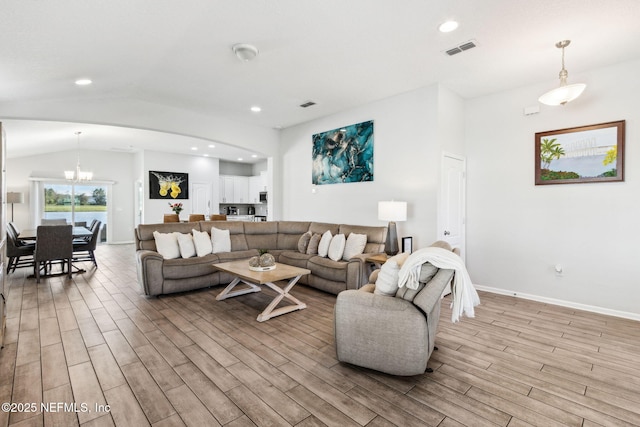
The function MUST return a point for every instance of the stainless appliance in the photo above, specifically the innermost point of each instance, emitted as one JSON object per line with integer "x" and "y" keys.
{"x": 232, "y": 210}
{"x": 251, "y": 210}
{"x": 263, "y": 197}
{"x": 259, "y": 218}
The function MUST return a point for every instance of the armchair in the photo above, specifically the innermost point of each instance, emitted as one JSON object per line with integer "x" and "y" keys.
{"x": 391, "y": 334}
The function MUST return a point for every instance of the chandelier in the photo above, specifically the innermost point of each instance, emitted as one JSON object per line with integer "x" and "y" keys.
{"x": 564, "y": 93}
{"x": 78, "y": 174}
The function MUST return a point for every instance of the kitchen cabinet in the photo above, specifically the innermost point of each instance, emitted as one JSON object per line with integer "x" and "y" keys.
{"x": 234, "y": 189}
{"x": 257, "y": 184}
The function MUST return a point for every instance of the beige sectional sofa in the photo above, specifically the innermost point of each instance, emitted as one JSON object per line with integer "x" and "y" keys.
{"x": 158, "y": 276}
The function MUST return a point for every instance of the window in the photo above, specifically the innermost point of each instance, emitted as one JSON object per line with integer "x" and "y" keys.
{"x": 78, "y": 204}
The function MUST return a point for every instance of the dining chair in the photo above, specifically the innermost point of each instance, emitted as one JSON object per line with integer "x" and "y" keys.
{"x": 171, "y": 218}
{"x": 19, "y": 252}
{"x": 217, "y": 217}
{"x": 54, "y": 243}
{"x": 196, "y": 217}
{"x": 83, "y": 249}
{"x": 54, "y": 221}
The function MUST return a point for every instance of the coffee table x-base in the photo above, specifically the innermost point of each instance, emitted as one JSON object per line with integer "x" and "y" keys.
{"x": 240, "y": 269}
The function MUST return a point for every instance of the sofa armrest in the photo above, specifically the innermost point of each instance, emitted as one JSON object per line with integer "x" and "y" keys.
{"x": 149, "y": 265}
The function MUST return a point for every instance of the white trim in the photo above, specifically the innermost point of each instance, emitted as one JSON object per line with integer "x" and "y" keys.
{"x": 93, "y": 181}
{"x": 562, "y": 303}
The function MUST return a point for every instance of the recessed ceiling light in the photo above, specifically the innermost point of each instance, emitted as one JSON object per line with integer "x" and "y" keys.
{"x": 256, "y": 109}
{"x": 255, "y": 156}
{"x": 205, "y": 155}
{"x": 194, "y": 148}
{"x": 212, "y": 146}
{"x": 240, "y": 159}
{"x": 83, "y": 82}
{"x": 448, "y": 26}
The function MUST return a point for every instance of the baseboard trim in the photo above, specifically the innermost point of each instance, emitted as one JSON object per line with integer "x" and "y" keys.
{"x": 563, "y": 303}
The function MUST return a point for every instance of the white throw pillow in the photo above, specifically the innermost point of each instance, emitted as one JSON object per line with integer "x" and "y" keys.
{"x": 325, "y": 241}
{"x": 336, "y": 248}
{"x": 354, "y": 246}
{"x": 187, "y": 248}
{"x": 167, "y": 244}
{"x": 220, "y": 240}
{"x": 387, "y": 283}
{"x": 202, "y": 242}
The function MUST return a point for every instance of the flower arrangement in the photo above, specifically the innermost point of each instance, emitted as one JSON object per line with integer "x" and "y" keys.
{"x": 176, "y": 207}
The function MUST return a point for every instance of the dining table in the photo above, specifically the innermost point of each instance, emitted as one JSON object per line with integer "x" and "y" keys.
{"x": 77, "y": 231}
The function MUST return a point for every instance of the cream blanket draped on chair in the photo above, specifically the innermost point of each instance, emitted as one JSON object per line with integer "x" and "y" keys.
{"x": 465, "y": 297}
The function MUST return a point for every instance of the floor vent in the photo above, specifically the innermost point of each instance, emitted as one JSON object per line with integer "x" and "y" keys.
{"x": 461, "y": 48}
{"x": 307, "y": 104}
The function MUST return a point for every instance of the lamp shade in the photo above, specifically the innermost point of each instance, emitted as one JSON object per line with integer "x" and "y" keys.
{"x": 392, "y": 211}
{"x": 563, "y": 94}
{"x": 15, "y": 197}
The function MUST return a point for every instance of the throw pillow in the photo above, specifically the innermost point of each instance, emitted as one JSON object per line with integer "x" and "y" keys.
{"x": 336, "y": 248}
{"x": 167, "y": 244}
{"x": 187, "y": 248}
{"x": 220, "y": 240}
{"x": 387, "y": 283}
{"x": 303, "y": 242}
{"x": 202, "y": 242}
{"x": 312, "y": 248}
{"x": 354, "y": 246}
{"x": 323, "y": 246}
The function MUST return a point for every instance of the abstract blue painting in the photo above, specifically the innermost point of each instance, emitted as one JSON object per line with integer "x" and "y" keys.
{"x": 343, "y": 155}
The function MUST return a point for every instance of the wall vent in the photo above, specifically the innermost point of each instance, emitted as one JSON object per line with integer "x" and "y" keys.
{"x": 307, "y": 104}
{"x": 461, "y": 48}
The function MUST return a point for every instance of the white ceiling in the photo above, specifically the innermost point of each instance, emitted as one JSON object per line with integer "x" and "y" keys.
{"x": 337, "y": 53}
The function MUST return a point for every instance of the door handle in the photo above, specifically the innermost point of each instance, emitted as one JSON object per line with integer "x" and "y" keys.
{"x": 446, "y": 233}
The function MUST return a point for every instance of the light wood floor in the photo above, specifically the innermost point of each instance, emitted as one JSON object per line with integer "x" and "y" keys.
{"x": 191, "y": 360}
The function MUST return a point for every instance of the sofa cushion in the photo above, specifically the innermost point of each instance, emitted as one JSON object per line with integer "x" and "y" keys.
{"x": 144, "y": 233}
{"x": 312, "y": 248}
{"x": 167, "y": 244}
{"x": 261, "y": 235}
{"x": 325, "y": 241}
{"x": 387, "y": 281}
{"x": 187, "y": 248}
{"x": 289, "y": 233}
{"x": 235, "y": 255}
{"x": 354, "y": 246}
{"x": 303, "y": 242}
{"x": 294, "y": 258}
{"x": 236, "y": 232}
{"x": 191, "y": 267}
{"x": 329, "y": 269}
{"x": 376, "y": 236}
{"x": 202, "y": 242}
{"x": 336, "y": 248}
{"x": 220, "y": 240}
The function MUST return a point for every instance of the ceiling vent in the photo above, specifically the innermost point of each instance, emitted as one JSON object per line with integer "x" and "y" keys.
{"x": 461, "y": 48}
{"x": 307, "y": 104}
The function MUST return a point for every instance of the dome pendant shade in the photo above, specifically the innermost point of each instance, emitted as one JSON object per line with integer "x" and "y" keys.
{"x": 564, "y": 93}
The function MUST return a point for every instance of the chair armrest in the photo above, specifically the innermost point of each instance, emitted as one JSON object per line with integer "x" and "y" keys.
{"x": 150, "y": 276}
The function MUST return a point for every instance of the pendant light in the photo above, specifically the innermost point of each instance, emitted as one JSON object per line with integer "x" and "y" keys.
{"x": 78, "y": 175}
{"x": 565, "y": 93}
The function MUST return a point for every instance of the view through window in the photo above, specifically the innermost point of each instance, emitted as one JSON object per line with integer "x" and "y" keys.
{"x": 78, "y": 204}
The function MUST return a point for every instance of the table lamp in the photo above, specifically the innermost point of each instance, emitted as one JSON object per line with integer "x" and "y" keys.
{"x": 14, "y": 197}
{"x": 392, "y": 211}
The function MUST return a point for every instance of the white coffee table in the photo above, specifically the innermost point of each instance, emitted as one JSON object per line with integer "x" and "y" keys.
{"x": 240, "y": 269}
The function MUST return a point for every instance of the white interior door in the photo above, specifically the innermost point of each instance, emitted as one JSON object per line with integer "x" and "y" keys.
{"x": 451, "y": 212}
{"x": 200, "y": 198}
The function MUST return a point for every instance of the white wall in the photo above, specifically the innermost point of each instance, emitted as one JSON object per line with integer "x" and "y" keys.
{"x": 407, "y": 153}
{"x": 105, "y": 165}
{"x": 200, "y": 169}
{"x": 517, "y": 232}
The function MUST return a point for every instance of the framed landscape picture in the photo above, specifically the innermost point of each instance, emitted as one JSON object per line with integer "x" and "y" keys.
{"x": 593, "y": 153}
